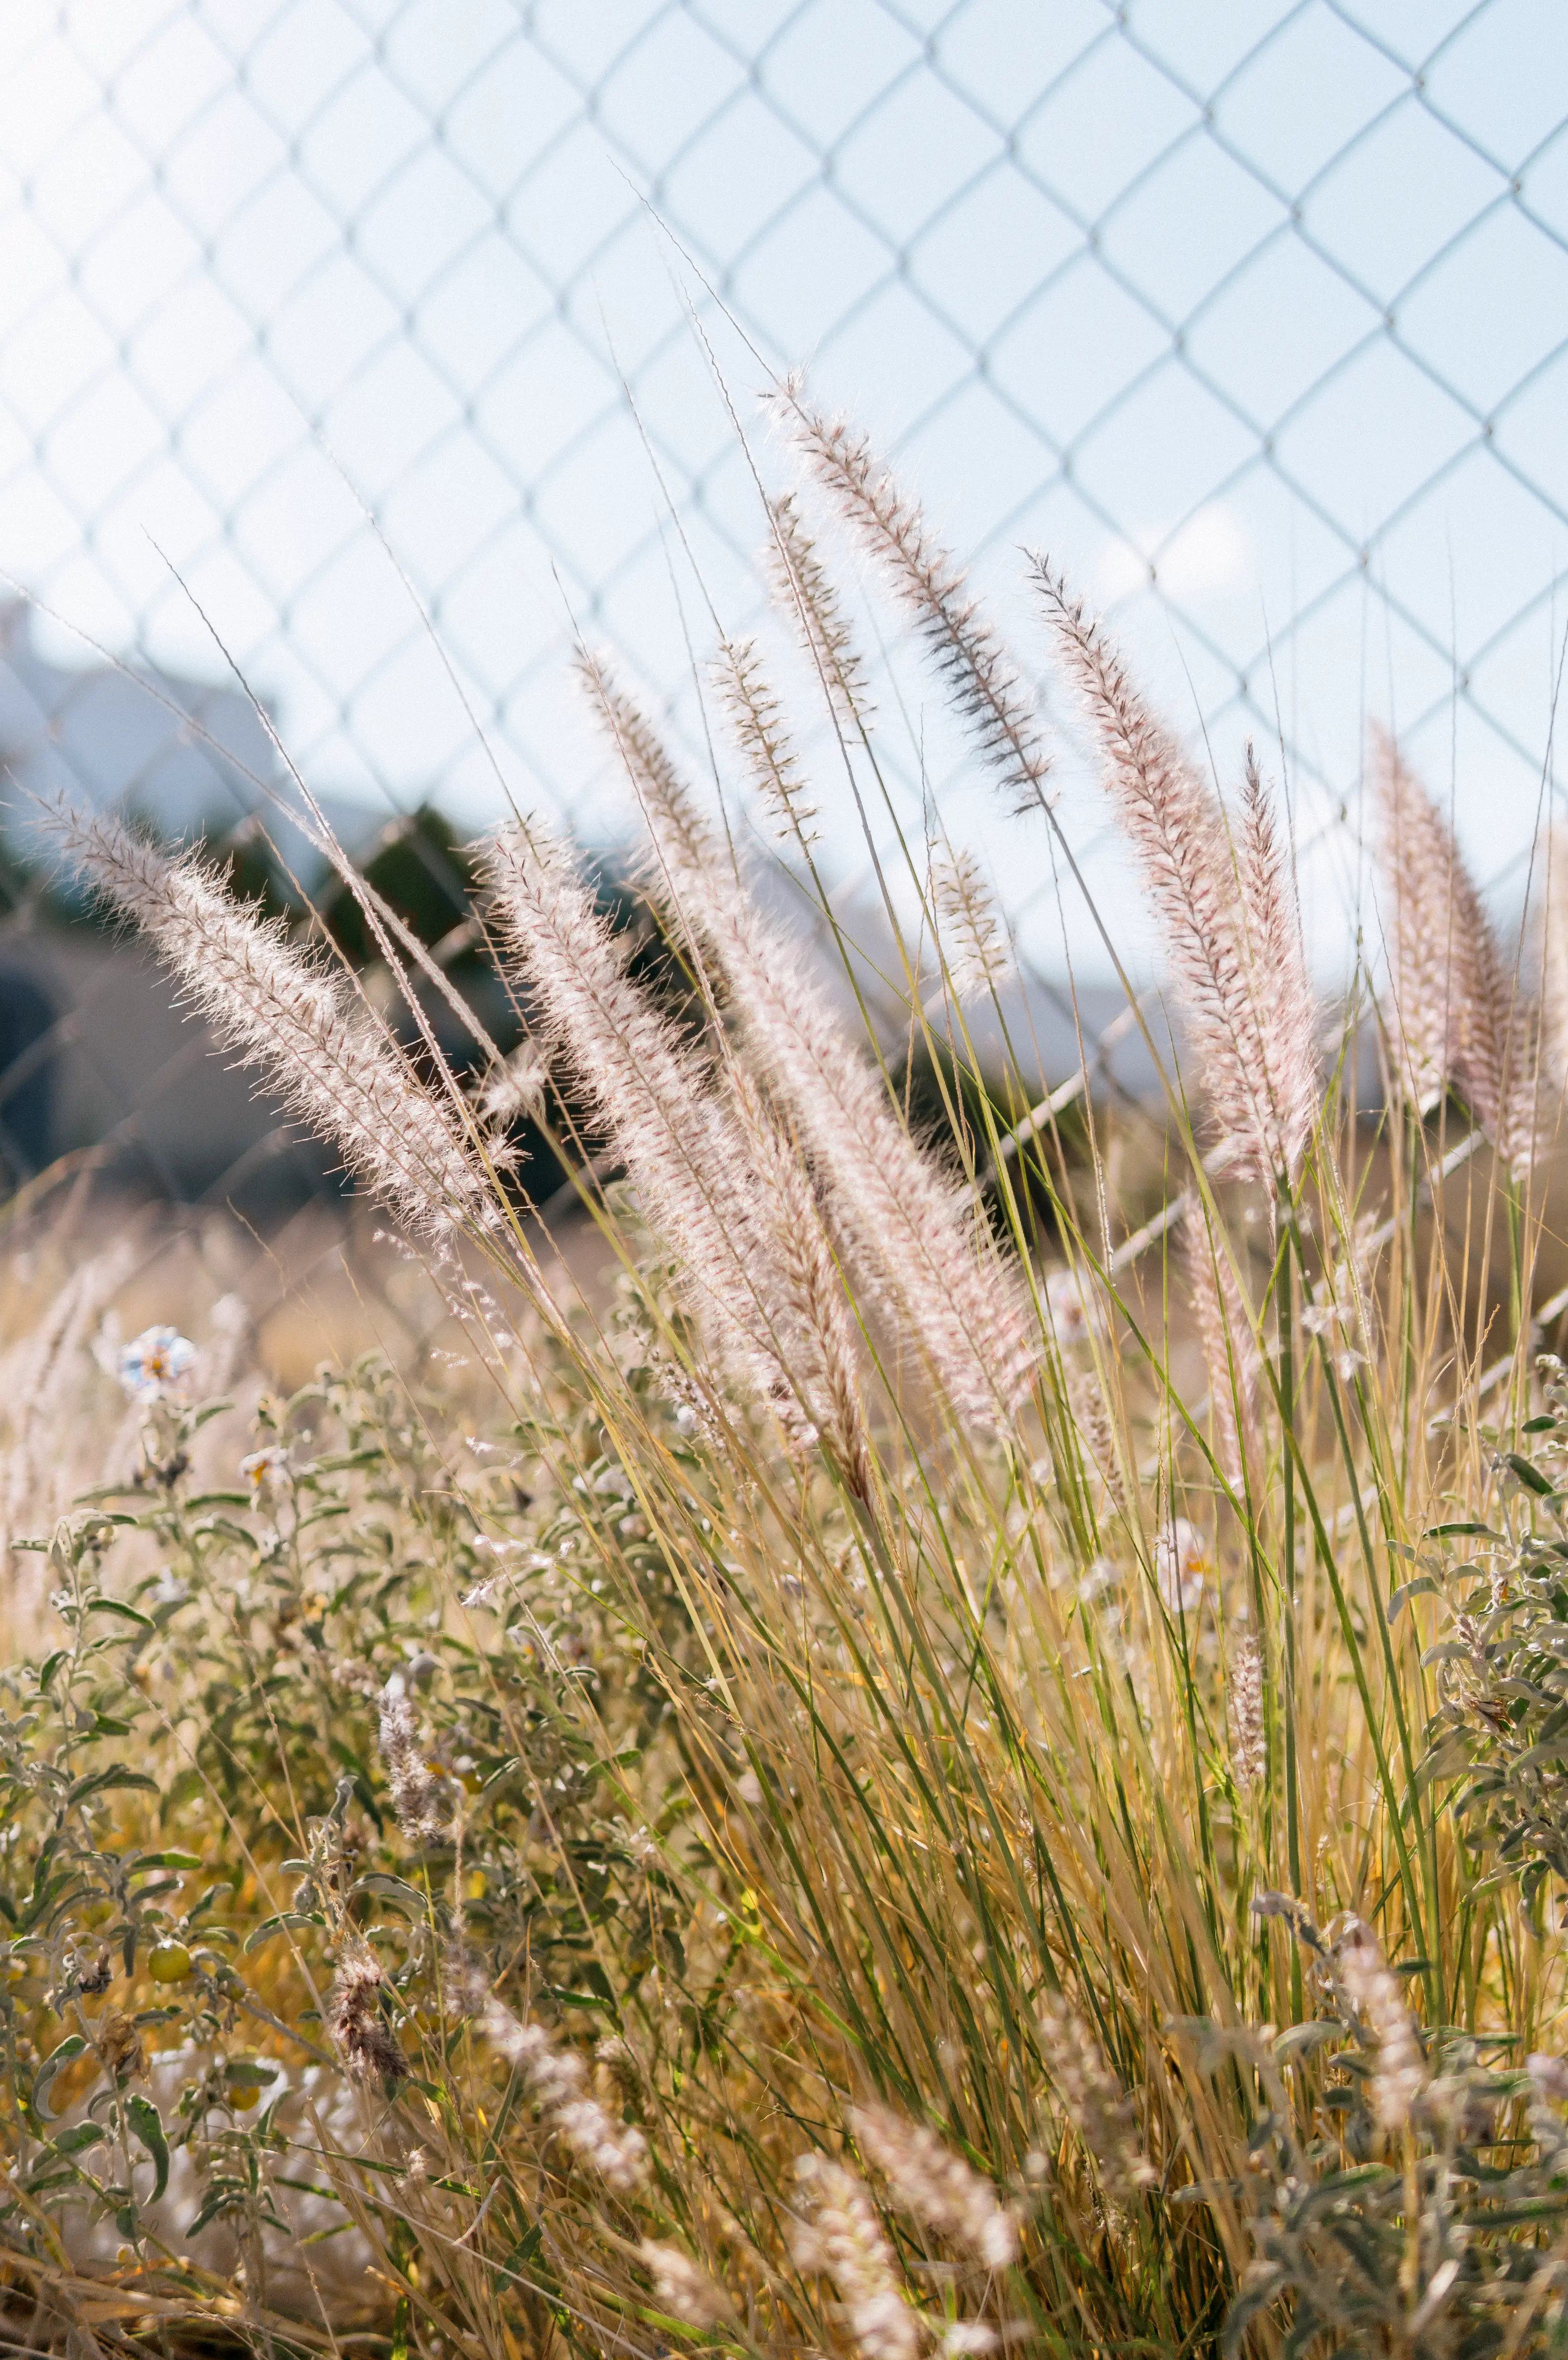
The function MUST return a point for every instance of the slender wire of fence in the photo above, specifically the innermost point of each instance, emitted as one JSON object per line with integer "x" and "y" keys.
{"x": 1256, "y": 317}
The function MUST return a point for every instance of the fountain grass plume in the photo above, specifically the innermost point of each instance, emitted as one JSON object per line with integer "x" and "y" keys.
{"x": 757, "y": 723}
{"x": 1458, "y": 1015}
{"x": 295, "y": 1017}
{"x": 906, "y": 1230}
{"x": 1251, "y": 1031}
{"x": 803, "y": 591}
{"x": 688, "y": 1155}
{"x": 974, "y": 665}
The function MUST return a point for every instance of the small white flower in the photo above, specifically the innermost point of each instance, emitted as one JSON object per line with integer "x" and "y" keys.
{"x": 1181, "y": 1562}
{"x": 263, "y": 1469}
{"x": 154, "y": 1365}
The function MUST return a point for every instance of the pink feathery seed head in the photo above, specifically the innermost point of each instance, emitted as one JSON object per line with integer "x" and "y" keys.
{"x": 968, "y": 935}
{"x": 359, "y": 2031}
{"x": 811, "y": 1314}
{"x": 288, "y": 1013}
{"x": 899, "y": 1221}
{"x": 838, "y": 2233}
{"x": 1258, "y": 1093}
{"x": 1281, "y": 988}
{"x": 1418, "y": 860}
{"x": 1249, "y": 1735}
{"x": 1400, "y": 2072}
{"x": 936, "y": 2186}
{"x": 969, "y": 656}
{"x": 684, "y": 1149}
{"x": 421, "y": 1797}
{"x": 803, "y": 590}
{"x": 1458, "y": 1018}
{"x": 757, "y": 723}
{"x": 655, "y": 781}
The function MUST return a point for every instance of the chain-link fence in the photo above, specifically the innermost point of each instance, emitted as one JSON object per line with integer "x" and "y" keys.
{"x": 342, "y": 340}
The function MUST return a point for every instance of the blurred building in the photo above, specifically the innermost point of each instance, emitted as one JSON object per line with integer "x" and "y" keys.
{"x": 92, "y": 1055}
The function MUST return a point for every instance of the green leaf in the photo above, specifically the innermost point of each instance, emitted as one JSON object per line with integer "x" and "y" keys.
{"x": 164, "y": 1860}
{"x": 1298, "y": 2039}
{"x": 81, "y": 2136}
{"x": 274, "y": 1925}
{"x": 127, "y": 1614}
{"x": 250, "y": 2073}
{"x": 1422, "y": 1586}
{"x": 1530, "y": 1477}
{"x": 147, "y": 2124}
{"x": 101, "y": 1780}
{"x": 522, "y": 2253}
{"x": 402, "y": 1896}
{"x": 71, "y": 2046}
{"x": 217, "y": 2200}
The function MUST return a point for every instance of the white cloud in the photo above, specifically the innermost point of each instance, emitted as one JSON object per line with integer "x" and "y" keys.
{"x": 1210, "y": 552}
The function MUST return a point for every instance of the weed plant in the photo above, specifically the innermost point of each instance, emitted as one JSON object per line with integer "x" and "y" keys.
{"x": 864, "y": 1810}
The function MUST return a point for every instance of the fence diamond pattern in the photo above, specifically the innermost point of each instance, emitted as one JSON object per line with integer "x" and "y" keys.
{"x": 340, "y": 339}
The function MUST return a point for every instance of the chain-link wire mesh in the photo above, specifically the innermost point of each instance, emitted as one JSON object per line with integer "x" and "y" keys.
{"x": 344, "y": 341}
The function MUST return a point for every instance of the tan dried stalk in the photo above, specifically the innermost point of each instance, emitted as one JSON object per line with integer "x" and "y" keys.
{"x": 1552, "y": 959}
{"x": 971, "y": 662}
{"x": 1458, "y": 1018}
{"x": 1253, "y": 1044}
{"x": 40, "y": 1473}
{"x": 295, "y": 1019}
{"x": 903, "y": 1227}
